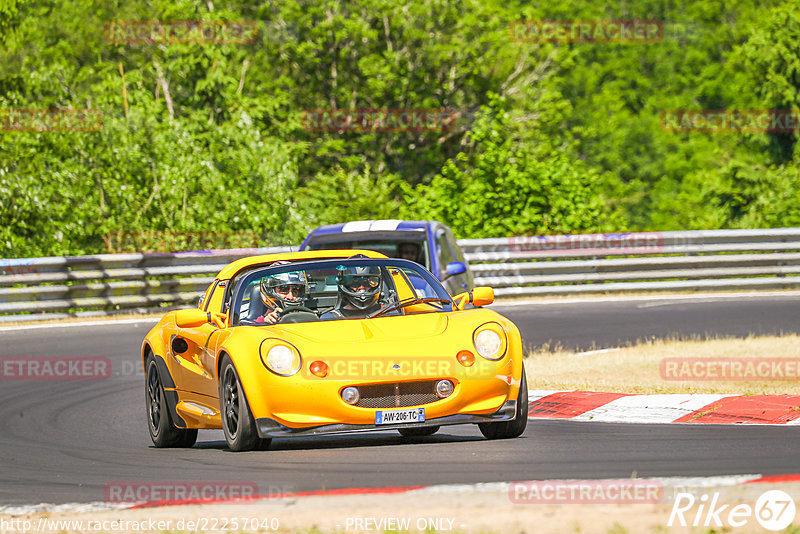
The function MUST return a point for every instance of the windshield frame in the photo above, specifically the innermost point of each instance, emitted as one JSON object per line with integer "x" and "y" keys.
{"x": 244, "y": 279}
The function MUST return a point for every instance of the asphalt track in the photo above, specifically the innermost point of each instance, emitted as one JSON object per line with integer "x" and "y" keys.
{"x": 64, "y": 441}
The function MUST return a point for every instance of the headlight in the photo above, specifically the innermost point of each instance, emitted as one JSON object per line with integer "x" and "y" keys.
{"x": 351, "y": 395}
{"x": 490, "y": 341}
{"x": 280, "y": 357}
{"x": 444, "y": 388}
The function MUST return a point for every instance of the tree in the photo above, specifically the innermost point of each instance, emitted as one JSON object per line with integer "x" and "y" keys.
{"x": 507, "y": 188}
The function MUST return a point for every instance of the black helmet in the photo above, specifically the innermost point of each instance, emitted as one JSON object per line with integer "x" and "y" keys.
{"x": 270, "y": 285}
{"x": 360, "y": 286}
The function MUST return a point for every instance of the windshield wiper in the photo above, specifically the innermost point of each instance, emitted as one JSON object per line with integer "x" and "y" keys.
{"x": 408, "y": 302}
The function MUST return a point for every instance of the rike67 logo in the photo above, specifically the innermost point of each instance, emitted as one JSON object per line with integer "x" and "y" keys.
{"x": 774, "y": 510}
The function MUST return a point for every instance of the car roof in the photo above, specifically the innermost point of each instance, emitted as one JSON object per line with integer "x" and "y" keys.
{"x": 253, "y": 261}
{"x": 384, "y": 225}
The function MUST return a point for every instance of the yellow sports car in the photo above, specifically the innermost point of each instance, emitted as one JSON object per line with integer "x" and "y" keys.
{"x": 328, "y": 342}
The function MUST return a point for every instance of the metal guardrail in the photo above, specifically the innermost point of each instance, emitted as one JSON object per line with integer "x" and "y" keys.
{"x": 46, "y": 288}
{"x": 649, "y": 261}
{"x": 104, "y": 284}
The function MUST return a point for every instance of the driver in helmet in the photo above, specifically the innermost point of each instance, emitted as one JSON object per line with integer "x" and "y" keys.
{"x": 359, "y": 292}
{"x": 409, "y": 251}
{"x": 280, "y": 293}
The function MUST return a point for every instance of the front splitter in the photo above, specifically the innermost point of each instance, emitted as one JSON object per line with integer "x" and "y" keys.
{"x": 269, "y": 428}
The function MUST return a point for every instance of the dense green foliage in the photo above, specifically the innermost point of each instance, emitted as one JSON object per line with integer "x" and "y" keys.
{"x": 551, "y": 137}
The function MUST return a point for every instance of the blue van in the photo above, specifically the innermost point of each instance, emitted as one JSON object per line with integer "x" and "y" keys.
{"x": 429, "y": 243}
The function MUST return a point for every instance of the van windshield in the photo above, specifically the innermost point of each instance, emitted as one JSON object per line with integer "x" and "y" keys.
{"x": 415, "y": 250}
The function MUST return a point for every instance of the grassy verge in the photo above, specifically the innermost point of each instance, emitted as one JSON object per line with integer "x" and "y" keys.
{"x": 637, "y": 369}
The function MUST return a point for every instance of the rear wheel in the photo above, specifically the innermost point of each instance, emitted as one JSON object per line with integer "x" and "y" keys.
{"x": 515, "y": 427}
{"x": 418, "y": 432}
{"x": 237, "y": 420}
{"x": 163, "y": 431}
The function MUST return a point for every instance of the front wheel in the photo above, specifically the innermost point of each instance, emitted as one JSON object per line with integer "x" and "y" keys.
{"x": 163, "y": 431}
{"x": 237, "y": 420}
{"x": 515, "y": 427}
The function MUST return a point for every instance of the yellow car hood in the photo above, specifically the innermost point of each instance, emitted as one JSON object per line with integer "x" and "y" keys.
{"x": 381, "y": 328}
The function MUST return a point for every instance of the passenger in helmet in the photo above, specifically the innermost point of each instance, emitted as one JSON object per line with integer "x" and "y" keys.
{"x": 280, "y": 293}
{"x": 359, "y": 292}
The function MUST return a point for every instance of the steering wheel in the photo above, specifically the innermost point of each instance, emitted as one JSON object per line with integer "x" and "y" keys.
{"x": 289, "y": 316}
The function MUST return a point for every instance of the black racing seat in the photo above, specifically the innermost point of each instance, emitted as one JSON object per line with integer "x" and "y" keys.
{"x": 257, "y": 307}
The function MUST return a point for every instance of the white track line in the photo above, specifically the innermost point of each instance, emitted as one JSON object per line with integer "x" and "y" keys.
{"x": 27, "y": 509}
{"x": 152, "y": 320}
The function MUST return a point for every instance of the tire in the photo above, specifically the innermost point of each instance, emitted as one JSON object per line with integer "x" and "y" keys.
{"x": 163, "y": 431}
{"x": 418, "y": 432}
{"x": 515, "y": 427}
{"x": 237, "y": 420}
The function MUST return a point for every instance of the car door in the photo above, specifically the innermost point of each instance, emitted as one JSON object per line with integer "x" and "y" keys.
{"x": 197, "y": 365}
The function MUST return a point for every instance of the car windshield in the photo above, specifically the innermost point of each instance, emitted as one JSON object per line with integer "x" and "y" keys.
{"x": 339, "y": 289}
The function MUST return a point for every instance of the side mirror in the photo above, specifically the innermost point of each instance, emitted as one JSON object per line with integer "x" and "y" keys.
{"x": 461, "y": 300}
{"x": 482, "y": 296}
{"x": 453, "y": 268}
{"x": 479, "y": 296}
{"x": 190, "y": 318}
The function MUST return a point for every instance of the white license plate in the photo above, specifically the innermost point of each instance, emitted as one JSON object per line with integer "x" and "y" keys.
{"x": 393, "y": 417}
